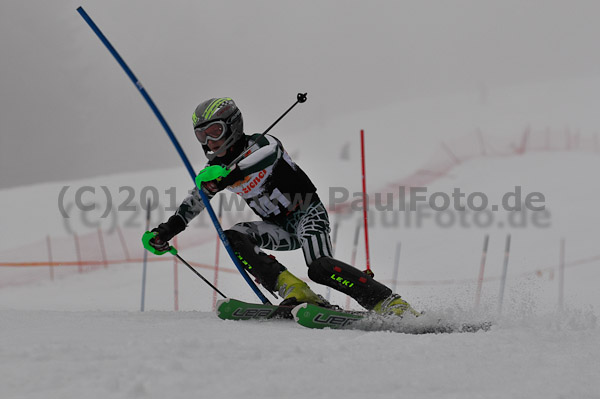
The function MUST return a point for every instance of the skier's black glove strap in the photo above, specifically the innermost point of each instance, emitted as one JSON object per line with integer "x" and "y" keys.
{"x": 235, "y": 175}
{"x": 169, "y": 229}
{"x": 158, "y": 244}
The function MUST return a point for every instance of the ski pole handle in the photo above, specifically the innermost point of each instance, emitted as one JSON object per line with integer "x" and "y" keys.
{"x": 300, "y": 98}
{"x": 149, "y": 235}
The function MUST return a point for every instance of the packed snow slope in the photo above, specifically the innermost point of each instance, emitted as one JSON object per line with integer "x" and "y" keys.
{"x": 82, "y": 335}
{"x": 194, "y": 354}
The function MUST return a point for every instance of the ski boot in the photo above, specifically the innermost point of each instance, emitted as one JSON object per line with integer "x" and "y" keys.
{"x": 394, "y": 305}
{"x": 295, "y": 291}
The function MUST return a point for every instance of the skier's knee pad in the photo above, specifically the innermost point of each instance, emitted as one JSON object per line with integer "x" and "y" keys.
{"x": 239, "y": 241}
{"x": 349, "y": 280}
{"x": 263, "y": 267}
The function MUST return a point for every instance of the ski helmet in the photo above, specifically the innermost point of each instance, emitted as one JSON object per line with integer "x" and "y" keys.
{"x": 220, "y": 109}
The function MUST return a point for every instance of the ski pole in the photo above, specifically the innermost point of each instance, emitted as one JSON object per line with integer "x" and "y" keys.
{"x": 300, "y": 98}
{"x": 199, "y": 275}
{"x": 184, "y": 158}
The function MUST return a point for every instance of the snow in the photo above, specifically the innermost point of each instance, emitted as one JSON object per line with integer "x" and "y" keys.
{"x": 96, "y": 354}
{"x": 83, "y": 335}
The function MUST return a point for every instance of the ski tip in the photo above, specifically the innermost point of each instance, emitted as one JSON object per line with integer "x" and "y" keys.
{"x": 297, "y": 309}
{"x": 220, "y": 302}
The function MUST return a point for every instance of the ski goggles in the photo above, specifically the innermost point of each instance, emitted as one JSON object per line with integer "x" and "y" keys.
{"x": 214, "y": 131}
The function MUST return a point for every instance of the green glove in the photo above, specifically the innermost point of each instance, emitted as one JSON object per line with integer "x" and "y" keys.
{"x": 210, "y": 173}
{"x": 146, "y": 240}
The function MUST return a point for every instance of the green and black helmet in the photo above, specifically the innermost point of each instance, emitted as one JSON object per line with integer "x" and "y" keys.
{"x": 217, "y": 119}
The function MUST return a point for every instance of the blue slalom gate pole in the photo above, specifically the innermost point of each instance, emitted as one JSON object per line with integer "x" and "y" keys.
{"x": 175, "y": 142}
{"x": 504, "y": 272}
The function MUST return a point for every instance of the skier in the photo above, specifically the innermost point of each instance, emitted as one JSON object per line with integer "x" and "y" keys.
{"x": 286, "y": 200}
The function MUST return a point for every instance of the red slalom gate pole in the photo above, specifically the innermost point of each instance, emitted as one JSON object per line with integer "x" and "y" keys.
{"x": 364, "y": 187}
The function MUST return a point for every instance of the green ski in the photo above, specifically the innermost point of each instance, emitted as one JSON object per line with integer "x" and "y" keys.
{"x": 313, "y": 316}
{"x": 232, "y": 309}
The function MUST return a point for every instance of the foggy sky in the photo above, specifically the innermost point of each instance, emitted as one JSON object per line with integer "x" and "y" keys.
{"x": 68, "y": 111}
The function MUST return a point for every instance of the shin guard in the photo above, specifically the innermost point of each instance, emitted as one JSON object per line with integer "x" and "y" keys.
{"x": 349, "y": 280}
{"x": 263, "y": 267}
